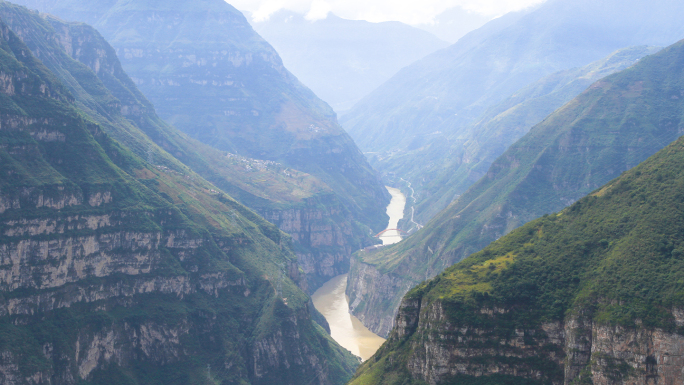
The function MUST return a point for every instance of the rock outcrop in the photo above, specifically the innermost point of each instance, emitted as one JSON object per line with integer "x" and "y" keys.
{"x": 560, "y": 353}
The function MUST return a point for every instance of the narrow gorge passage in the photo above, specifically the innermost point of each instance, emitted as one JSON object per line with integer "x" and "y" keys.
{"x": 395, "y": 210}
{"x": 331, "y": 300}
{"x": 346, "y": 329}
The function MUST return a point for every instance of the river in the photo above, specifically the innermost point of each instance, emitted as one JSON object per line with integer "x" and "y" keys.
{"x": 331, "y": 300}
{"x": 395, "y": 210}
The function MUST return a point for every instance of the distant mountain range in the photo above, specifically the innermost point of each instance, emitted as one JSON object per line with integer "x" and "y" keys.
{"x": 344, "y": 60}
{"x": 454, "y": 23}
{"x": 429, "y": 106}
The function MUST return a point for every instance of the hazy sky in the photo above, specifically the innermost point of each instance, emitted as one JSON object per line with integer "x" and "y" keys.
{"x": 407, "y": 11}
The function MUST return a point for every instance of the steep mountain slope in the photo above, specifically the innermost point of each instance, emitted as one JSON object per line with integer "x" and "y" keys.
{"x": 344, "y": 60}
{"x": 447, "y": 177}
{"x": 445, "y": 93}
{"x": 612, "y": 126}
{"x": 591, "y": 295}
{"x": 323, "y": 230}
{"x": 115, "y": 270}
{"x": 210, "y": 75}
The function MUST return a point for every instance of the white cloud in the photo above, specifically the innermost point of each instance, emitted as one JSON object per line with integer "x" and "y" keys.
{"x": 319, "y": 10}
{"x": 407, "y": 11}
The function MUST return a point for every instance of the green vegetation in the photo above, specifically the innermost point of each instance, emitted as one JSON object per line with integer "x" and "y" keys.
{"x": 614, "y": 256}
{"x": 118, "y": 270}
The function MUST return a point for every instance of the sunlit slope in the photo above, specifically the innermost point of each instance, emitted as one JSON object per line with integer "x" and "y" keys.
{"x": 210, "y": 75}
{"x": 593, "y": 294}
{"x": 612, "y": 126}
{"x": 115, "y": 270}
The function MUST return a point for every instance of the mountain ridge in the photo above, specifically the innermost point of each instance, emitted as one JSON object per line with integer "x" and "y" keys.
{"x": 612, "y": 126}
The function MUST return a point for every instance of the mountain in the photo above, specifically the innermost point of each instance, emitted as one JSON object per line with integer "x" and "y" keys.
{"x": 591, "y": 295}
{"x": 429, "y": 105}
{"x": 344, "y": 60}
{"x": 210, "y": 75}
{"x": 448, "y": 176}
{"x": 611, "y": 127}
{"x": 114, "y": 270}
{"x": 324, "y": 231}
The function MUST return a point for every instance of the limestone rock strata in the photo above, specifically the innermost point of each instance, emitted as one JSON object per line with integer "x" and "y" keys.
{"x": 373, "y": 295}
{"x": 323, "y": 234}
{"x": 565, "y": 352}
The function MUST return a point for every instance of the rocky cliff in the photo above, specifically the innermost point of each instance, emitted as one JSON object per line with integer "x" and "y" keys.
{"x": 89, "y": 67}
{"x": 591, "y": 295}
{"x": 324, "y": 235}
{"x": 115, "y": 270}
{"x": 613, "y": 125}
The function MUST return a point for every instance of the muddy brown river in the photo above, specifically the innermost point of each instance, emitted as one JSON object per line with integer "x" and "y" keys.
{"x": 331, "y": 300}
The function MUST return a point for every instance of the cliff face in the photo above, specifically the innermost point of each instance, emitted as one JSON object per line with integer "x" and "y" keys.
{"x": 591, "y": 295}
{"x": 324, "y": 236}
{"x": 573, "y": 351}
{"x": 613, "y": 125}
{"x": 372, "y": 297}
{"x": 117, "y": 270}
{"x": 73, "y": 50}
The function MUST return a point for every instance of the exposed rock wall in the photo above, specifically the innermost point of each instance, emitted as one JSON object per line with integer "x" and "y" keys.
{"x": 373, "y": 295}
{"x": 573, "y": 351}
{"x": 323, "y": 235}
{"x": 322, "y": 229}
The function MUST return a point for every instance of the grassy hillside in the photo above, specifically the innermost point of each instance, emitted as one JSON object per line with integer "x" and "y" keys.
{"x": 615, "y": 258}
{"x": 115, "y": 270}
